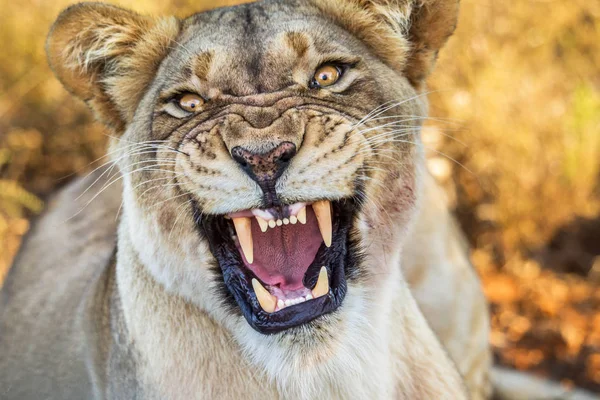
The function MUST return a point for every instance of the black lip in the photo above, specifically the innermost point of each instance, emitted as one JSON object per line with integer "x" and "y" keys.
{"x": 341, "y": 261}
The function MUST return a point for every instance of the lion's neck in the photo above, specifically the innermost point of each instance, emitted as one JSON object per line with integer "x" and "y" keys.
{"x": 387, "y": 349}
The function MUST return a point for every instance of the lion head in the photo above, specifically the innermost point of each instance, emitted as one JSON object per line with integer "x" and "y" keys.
{"x": 270, "y": 152}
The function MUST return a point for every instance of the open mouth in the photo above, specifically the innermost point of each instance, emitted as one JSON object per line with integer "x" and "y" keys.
{"x": 288, "y": 265}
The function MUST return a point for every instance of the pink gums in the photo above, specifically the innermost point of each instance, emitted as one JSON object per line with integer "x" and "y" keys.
{"x": 283, "y": 254}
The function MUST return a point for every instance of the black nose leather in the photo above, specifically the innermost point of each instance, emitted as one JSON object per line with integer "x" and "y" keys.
{"x": 266, "y": 167}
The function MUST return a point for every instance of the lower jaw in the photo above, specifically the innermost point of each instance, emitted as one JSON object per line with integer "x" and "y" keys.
{"x": 340, "y": 260}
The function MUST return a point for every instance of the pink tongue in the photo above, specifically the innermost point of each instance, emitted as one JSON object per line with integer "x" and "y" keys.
{"x": 283, "y": 254}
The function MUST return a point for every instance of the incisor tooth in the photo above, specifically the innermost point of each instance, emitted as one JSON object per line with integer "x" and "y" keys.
{"x": 293, "y": 219}
{"x": 286, "y": 221}
{"x": 302, "y": 215}
{"x": 322, "y": 286}
{"x": 267, "y": 300}
{"x": 264, "y": 225}
{"x": 244, "y": 233}
{"x": 322, "y": 211}
{"x": 279, "y": 222}
{"x": 272, "y": 223}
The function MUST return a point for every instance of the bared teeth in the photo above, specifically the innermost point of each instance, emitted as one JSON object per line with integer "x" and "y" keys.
{"x": 264, "y": 225}
{"x": 267, "y": 300}
{"x": 281, "y": 304}
{"x": 322, "y": 211}
{"x": 302, "y": 215}
{"x": 322, "y": 286}
{"x": 244, "y": 233}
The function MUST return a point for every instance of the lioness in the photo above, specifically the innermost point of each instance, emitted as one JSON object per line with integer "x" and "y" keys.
{"x": 278, "y": 234}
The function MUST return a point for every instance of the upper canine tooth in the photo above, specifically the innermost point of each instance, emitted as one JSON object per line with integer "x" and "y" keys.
{"x": 244, "y": 233}
{"x": 266, "y": 300}
{"x": 322, "y": 286}
{"x": 322, "y": 211}
{"x": 264, "y": 225}
{"x": 302, "y": 215}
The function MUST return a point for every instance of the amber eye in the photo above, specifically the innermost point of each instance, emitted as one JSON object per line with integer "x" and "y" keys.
{"x": 326, "y": 75}
{"x": 191, "y": 102}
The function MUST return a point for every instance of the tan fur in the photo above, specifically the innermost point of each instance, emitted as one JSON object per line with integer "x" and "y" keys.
{"x": 150, "y": 322}
{"x": 441, "y": 278}
{"x": 515, "y": 385}
{"x": 298, "y": 42}
{"x": 388, "y": 40}
{"x": 109, "y": 61}
{"x": 202, "y": 65}
{"x": 407, "y": 34}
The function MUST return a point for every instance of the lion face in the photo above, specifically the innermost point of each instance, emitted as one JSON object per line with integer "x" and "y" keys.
{"x": 271, "y": 157}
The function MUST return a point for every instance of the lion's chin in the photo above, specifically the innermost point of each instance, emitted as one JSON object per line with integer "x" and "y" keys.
{"x": 286, "y": 266}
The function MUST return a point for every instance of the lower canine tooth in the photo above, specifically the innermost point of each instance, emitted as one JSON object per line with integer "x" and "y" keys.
{"x": 322, "y": 286}
{"x": 267, "y": 300}
{"x": 244, "y": 233}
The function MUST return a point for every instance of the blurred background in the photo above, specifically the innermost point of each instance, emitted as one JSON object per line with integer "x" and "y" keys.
{"x": 514, "y": 138}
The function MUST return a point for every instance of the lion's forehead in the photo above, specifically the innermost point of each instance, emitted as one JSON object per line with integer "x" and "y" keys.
{"x": 252, "y": 49}
{"x": 246, "y": 22}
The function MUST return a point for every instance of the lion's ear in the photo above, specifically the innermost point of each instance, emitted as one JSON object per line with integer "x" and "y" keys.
{"x": 406, "y": 34}
{"x": 108, "y": 56}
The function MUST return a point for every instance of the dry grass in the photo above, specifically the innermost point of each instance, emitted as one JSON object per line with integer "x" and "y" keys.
{"x": 520, "y": 85}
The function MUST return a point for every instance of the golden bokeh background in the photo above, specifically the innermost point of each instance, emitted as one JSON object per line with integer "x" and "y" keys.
{"x": 514, "y": 138}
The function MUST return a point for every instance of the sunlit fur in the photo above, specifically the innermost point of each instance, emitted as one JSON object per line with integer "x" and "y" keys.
{"x": 171, "y": 335}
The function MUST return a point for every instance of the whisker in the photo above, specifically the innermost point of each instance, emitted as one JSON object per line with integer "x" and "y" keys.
{"x": 170, "y": 198}
{"x": 387, "y": 108}
{"x": 160, "y": 186}
{"x": 107, "y": 185}
{"x": 108, "y": 171}
{"x": 421, "y": 117}
{"x": 437, "y": 152}
{"x": 138, "y": 185}
{"x": 179, "y": 214}
{"x": 394, "y": 124}
{"x": 108, "y": 154}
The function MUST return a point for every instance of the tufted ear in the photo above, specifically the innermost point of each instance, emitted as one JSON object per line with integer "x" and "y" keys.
{"x": 108, "y": 56}
{"x": 406, "y": 34}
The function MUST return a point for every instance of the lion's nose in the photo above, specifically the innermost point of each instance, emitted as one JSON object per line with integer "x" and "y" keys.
{"x": 265, "y": 167}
